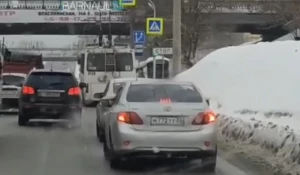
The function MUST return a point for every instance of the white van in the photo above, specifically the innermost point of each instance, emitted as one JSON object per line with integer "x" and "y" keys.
{"x": 100, "y": 64}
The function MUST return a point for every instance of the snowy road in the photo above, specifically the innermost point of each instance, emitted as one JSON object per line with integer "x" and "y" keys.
{"x": 41, "y": 149}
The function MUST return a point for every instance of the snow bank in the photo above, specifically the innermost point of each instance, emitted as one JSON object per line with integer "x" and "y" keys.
{"x": 257, "y": 88}
{"x": 264, "y": 76}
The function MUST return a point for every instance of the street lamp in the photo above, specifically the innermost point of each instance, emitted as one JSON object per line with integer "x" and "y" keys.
{"x": 153, "y": 7}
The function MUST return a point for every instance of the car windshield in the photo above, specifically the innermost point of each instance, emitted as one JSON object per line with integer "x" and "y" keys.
{"x": 13, "y": 80}
{"x": 157, "y": 92}
{"x": 51, "y": 80}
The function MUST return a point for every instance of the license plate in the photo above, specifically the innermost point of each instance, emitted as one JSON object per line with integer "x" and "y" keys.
{"x": 50, "y": 94}
{"x": 172, "y": 121}
{"x": 9, "y": 92}
{"x": 48, "y": 110}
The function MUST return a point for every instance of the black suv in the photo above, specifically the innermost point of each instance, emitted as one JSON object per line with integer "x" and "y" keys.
{"x": 49, "y": 94}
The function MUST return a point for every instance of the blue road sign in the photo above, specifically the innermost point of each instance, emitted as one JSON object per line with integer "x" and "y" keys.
{"x": 139, "y": 37}
{"x": 117, "y": 6}
{"x": 155, "y": 26}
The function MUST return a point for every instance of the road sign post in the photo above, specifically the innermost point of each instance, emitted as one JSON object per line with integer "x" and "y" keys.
{"x": 154, "y": 66}
{"x": 139, "y": 39}
{"x": 155, "y": 27}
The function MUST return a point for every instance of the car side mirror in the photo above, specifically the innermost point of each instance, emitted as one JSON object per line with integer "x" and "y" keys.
{"x": 207, "y": 101}
{"x": 104, "y": 103}
{"x": 82, "y": 85}
{"x": 101, "y": 94}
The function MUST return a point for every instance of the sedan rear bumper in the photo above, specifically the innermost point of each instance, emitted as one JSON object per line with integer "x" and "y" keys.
{"x": 50, "y": 111}
{"x": 167, "y": 154}
{"x": 128, "y": 139}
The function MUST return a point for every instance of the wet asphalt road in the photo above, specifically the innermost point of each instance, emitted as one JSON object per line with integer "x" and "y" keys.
{"x": 51, "y": 149}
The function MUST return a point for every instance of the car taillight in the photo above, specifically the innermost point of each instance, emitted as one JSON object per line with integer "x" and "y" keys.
{"x": 165, "y": 100}
{"x": 27, "y": 90}
{"x": 130, "y": 118}
{"x": 204, "y": 118}
{"x": 74, "y": 91}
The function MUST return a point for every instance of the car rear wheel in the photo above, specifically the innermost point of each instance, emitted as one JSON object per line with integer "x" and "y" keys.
{"x": 22, "y": 120}
{"x": 210, "y": 163}
{"x": 100, "y": 133}
{"x": 115, "y": 161}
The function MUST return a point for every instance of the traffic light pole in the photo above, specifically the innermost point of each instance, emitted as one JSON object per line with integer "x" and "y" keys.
{"x": 176, "y": 37}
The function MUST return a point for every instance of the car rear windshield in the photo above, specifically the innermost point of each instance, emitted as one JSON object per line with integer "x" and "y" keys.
{"x": 122, "y": 62}
{"x": 13, "y": 80}
{"x": 51, "y": 80}
{"x": 117, "y": 86}
{"x": 157, "y": 92}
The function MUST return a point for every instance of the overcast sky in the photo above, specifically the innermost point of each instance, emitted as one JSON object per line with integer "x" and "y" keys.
{"x": 49, "y": 41}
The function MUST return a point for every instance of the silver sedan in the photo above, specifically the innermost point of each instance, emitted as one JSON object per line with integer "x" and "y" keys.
{"x": 160, "y": 118}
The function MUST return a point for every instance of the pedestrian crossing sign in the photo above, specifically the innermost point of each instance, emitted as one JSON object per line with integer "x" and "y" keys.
{"x": 155, "y": 26}
{"x": 127, "y": 3}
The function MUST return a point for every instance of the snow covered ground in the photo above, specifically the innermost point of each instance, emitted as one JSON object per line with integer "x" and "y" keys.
{"x": 256, "y": 91}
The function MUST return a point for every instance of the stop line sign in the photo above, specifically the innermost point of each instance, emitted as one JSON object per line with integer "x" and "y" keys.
{"x": 163, "y": 51}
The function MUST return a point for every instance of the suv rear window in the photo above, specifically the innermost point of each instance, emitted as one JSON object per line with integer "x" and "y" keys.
{"x": 13, "y": 80}
{"x": 156, "y": 92}
{"x": 51, "y": 80}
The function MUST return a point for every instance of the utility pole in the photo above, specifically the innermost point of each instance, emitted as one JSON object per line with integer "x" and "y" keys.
{"x": 176, "y": 37}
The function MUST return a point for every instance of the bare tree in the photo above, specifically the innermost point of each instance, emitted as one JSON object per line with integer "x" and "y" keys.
{"x": 194, "y": 30}
{"x": 286, "y": 14}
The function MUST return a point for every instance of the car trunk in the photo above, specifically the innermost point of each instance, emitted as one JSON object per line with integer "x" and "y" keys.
{"x": 167, "y": 117}
{"x": 50, "y": 96}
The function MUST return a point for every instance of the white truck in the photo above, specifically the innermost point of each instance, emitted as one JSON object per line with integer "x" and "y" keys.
{"x": 100, "y": 64}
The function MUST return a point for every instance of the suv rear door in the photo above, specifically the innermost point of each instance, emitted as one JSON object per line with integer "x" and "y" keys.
{"x": 51, "y": 87}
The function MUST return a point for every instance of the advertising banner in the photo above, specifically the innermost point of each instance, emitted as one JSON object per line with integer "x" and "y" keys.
{"x": 62, "y": 16}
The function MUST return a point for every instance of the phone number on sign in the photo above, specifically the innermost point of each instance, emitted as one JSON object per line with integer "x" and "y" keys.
{"x": 66, "y": 19}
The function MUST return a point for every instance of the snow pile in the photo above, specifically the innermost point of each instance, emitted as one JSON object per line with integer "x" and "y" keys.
{"x": 264, "y": 76}
{"x": 257, "y": 90}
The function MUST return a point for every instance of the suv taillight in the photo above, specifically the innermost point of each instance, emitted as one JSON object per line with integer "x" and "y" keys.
{"x": 204, "y": 118}
{"x": 130, "y": 118}
{"x": 27, "y": 90}
{"x": 74, "y": 91}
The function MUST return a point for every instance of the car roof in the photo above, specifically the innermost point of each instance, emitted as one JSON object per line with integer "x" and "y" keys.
{"x": 15, "y": 74}
{"x": 161, "y": 81}
{"x": 51, "y": 70}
